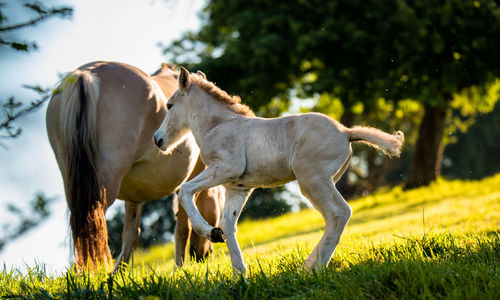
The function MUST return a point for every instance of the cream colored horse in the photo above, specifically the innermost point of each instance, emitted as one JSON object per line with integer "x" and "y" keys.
{"x": 243, "y": 152}
{"x": 100, "y": 123}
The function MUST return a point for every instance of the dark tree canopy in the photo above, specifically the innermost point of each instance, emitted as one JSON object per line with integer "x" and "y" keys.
{"x": 474, "y": 155}
{"x": 358, "y": 51}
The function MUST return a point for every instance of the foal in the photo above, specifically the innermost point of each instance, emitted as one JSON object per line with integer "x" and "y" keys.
{"x": 243, "y": 152}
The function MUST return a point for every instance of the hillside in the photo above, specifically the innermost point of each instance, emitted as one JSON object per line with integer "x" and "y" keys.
{"x": 457, "y": 207}
{"x": 439, "y": 241}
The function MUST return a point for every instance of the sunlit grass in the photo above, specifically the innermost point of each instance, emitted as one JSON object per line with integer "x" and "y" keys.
{"x": 445, "y": 206}
{"x": 439, "y": 241}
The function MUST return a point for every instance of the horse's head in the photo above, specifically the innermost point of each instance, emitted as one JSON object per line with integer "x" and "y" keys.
{"x": 175, "y": 124}
{"x": 166, "y": 77}
{"x": 199, "y": 248}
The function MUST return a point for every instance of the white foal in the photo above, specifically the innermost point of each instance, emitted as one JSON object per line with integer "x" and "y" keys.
{"x": 243, "y": 152}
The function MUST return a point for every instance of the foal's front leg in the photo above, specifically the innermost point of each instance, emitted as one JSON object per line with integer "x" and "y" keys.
{"x": 212, "y": 176}
{"x": 235, "y": 200}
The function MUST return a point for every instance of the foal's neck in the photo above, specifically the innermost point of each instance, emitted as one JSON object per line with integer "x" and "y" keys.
{"x": 207, "y": 113}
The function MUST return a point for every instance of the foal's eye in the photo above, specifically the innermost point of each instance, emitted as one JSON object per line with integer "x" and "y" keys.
{"x": 169, "y": 105}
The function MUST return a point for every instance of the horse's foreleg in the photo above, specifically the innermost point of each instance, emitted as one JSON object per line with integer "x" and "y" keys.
{"x": 206, "y": 179}
{"x": 131, "y": 232}
{"x": 235, "y": 200}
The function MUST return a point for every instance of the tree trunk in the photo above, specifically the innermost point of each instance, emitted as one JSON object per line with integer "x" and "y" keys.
{"x": 377, "y": 170}
{"x": 426, "y": 162}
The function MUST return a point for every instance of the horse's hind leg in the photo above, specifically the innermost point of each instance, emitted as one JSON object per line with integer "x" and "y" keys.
{"x": 131, "y": 232}
{"x": 182, "y": 232}
{"x": 323, "y": 194}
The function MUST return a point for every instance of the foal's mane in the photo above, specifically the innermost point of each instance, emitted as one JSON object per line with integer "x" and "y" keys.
{"x": 232, "y": 102}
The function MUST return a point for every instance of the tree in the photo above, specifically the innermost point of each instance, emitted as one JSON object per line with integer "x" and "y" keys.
{"x": 38, "y": 212}
{"x": 448, "y": 48}
{"x": 157, "y": 225}
{"x": 13, "y": 109}
{"x": 358, "y": 51}
{"x": 474, "y": 154}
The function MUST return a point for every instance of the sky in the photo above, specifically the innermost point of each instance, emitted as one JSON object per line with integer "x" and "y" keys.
{"x": 118, "y": 30}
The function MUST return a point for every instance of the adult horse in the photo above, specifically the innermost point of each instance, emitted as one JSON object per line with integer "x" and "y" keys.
{"x": 100, "y": 123}
{"x": 243, "y": 152}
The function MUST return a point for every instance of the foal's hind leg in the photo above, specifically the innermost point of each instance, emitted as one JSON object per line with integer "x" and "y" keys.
{"x": 343, "y": 168}
{"x": 321, "y": 191}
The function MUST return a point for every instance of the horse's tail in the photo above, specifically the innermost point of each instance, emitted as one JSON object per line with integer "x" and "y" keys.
{"x": 390, "y": 144}
{"x": 85, "y": 194}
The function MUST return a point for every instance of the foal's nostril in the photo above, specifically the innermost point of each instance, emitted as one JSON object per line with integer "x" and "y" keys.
{"x": 159, "y": 142}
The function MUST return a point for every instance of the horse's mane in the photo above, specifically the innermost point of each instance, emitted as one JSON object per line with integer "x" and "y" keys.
{"x": 233, "y": 102}
{"x": 165, "y": 66}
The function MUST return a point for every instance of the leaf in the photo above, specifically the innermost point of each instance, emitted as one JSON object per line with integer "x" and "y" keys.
{"x": 19, "y": 46}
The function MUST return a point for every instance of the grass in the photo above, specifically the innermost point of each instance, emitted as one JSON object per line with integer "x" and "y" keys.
{"x": 436, "y": 242}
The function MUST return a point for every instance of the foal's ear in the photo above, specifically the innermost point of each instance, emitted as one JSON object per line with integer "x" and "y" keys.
{"x": 183, "y": 79}
{"x": 201, "y": 74}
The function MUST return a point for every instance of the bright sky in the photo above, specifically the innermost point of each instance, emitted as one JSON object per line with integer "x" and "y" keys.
{"x": 119, "y": 30}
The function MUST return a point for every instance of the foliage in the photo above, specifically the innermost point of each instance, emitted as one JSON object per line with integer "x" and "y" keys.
{"x": 13, "y": 109}
{"x": 357, "y": 52}
{"x": 39, "y": 13}
{"x": 157, "y": 225}
{"x": 265, "y": 203}
{"x": 469, "y": 104}
{"x": 474, "y": 153}
{"x": 27, "y": 219}
{"x": 432, "y": 242}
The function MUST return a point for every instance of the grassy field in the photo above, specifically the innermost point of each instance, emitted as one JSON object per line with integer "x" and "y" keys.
{"x": 440, "y": 241}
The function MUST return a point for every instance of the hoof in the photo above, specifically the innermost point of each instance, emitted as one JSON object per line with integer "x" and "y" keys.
{"x": 217, "y": 236}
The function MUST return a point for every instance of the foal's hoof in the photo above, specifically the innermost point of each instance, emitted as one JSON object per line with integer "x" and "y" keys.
{"x": 217, "y": 236}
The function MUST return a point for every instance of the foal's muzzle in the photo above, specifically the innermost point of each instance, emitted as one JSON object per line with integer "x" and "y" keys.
{"x": 158, "y": 141}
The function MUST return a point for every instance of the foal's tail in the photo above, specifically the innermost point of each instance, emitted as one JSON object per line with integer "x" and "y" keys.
{"x": 85, "y": 194}
{"x": 390, "y": 144}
